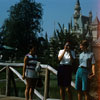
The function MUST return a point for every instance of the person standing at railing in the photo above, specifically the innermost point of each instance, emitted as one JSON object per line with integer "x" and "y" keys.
{"x": 66, "y": 57}
{"x": 85, "y": 71}
{"x": 30, "y": 69}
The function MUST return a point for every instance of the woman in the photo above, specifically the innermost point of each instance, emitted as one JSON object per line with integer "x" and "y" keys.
{"x": 86, "y": 70}
{"x": 30, "y": 68}
{"x": 65, "y": 57}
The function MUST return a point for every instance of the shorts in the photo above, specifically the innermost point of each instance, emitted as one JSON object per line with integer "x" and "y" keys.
{"x": 64, "y": 75}
{"x": 81, "y": 82}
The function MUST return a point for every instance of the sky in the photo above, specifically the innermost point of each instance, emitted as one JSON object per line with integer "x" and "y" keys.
{"x": 55, "y": 11}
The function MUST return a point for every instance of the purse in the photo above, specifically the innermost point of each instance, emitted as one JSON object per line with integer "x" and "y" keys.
{"x": 38, "y": 67}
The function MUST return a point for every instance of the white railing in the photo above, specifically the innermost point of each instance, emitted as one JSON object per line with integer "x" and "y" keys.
{"x": 10, "y": 66}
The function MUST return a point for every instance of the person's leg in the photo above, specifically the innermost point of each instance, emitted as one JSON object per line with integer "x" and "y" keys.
{"x": 78, "y": 83}
{"x": 32, "y": 87}
{"x": 62, "y": 93}
{"x": 31, "y": 91}
{"x": 68, "y": 90}
{"x": 86, "y": 95}
{"x": 85, "y": 84}
{"x": 68, "y": 82}
{"x": 27, "y": 89}
{"x": 79, "y": 95}
{"x": 27, "y": 93}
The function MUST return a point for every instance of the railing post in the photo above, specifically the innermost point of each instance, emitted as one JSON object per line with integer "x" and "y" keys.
{"x": 7, "y": 81}
{"x": 14, "y": 83}
{"x": 46, "y": 86}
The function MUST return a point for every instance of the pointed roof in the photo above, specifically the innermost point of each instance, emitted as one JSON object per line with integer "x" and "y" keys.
{"x": 78, "y": 2}
{"x": 96, "y": 21}
{"x": 77, "y": 6}
{"x": 71, "y": 22}
{"x": 90, "y": 12}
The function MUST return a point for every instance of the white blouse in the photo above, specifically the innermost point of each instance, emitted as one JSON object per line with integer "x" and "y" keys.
{"x": 66, "y": 58}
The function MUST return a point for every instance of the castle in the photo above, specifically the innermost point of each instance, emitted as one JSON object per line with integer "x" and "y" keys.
{"x": 83, "y": 25}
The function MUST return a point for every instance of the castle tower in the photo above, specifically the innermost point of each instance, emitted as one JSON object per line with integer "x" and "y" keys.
{"x": 76, "y": 12}
{"x": 90, "y": 17}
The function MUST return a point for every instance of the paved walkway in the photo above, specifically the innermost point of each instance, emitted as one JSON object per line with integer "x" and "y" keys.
{"x": 2, "y": 97}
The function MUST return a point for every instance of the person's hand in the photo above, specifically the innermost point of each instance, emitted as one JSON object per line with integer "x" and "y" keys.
{"x": 91, "y": 75}
{"x": 66, "y": 47}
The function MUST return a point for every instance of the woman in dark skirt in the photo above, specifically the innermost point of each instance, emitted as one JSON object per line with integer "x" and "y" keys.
{"x": 64, "y": 75}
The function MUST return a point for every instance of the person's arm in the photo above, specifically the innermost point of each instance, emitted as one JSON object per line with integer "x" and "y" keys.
{"x": 93, "y": 71}
{"x": 93, "y": 67}
{"x": 61, "y": 55}
{"x": 24, "y": 67}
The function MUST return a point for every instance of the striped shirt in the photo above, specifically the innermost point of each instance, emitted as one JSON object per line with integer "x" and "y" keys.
{"x": 31, "y": 66}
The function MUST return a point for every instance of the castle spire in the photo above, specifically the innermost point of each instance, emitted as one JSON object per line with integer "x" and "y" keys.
{"x": 90, "y": 17}
{"x": 77, "y": 6}
{"x": 77, "y": 10}
{"x": 78, "y": 2}
{"x": 76, "y": 13}
{"x": 71, "y": 23}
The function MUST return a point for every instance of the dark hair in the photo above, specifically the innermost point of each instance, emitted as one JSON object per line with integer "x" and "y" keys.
{"x": 68, "y": 41}
{"x": 32, "y": 46}
{"x": 85, "y": 43}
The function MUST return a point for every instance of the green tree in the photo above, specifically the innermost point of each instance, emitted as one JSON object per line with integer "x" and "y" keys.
{"x": 46, "y": 50}
{"x": 23, "y": 25}
{"x": 43, "y": 49}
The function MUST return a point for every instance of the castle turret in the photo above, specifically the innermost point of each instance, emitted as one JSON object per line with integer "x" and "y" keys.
{"x": 90, "y": 17}
{"x": 76, "y": 12}
{"x": 71, "y": 24}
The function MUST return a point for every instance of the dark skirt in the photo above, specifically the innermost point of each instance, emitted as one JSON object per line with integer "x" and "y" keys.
{"x": 31, "y": 82}
{"x": 64, "y": 75}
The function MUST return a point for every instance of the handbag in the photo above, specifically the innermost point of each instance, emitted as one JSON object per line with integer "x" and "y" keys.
{"x": 38, "y": 67}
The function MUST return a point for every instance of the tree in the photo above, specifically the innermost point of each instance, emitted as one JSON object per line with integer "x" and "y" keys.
{"x": 23, "y": 25}
{"x": 43, "y": 49}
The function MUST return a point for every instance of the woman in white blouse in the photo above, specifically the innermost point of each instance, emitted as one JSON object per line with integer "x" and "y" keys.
{"x": 64, "y": 76}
